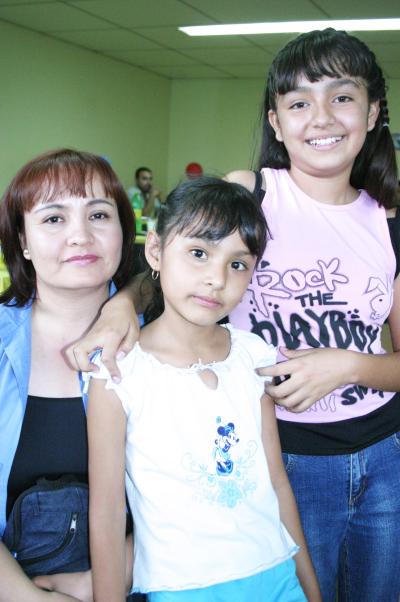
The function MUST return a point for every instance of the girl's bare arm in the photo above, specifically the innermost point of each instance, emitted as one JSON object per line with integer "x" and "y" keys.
{"x": 107, "y": 512}
{"x": 287, "y": 504}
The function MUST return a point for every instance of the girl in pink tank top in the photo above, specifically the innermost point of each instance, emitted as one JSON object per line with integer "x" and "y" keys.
{"x": 321, "y": 293}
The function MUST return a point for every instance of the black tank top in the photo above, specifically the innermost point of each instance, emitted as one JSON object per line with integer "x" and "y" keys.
{"x": 53, "y": 442}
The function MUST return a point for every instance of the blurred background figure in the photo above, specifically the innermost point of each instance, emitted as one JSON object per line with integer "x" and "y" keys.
{"x": 144, "y": 197}
{"x": 193, "y": 170}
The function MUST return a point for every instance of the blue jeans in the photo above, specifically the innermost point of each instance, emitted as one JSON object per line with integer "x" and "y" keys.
{"x": 350, "y": 511}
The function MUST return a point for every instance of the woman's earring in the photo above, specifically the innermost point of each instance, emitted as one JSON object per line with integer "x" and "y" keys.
{"x": 26, "y": 254}
{"x": 154, "y": 274}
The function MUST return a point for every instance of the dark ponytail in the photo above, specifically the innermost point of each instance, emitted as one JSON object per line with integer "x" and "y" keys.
{"x": 377, "y": 176}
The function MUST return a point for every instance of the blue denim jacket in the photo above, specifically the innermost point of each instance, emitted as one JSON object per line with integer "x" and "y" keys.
{"x": 15, "y": 363}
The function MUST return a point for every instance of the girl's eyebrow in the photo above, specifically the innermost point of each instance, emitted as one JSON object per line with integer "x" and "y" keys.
{"x": 47, "y": 206}
{"x": 337, "y": 83}
{"x": 214, "y": 243}
{"x": 243, "y": 253}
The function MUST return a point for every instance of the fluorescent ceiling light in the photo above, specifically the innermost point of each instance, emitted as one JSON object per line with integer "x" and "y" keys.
{"x": 291, "y": 27}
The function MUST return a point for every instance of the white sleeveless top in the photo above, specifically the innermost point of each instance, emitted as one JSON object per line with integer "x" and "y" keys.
{"x": 325, "y": 280}
{"x": 197, "y": 478}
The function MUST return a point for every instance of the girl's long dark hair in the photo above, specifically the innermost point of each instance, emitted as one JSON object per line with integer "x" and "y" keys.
{"x": 211, "y": 209}
{"x": 331, "y": 53}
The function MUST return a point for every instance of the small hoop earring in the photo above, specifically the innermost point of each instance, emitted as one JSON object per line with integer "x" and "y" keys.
{"x": 26, "y": 254}
{"x": 154, "y": 274}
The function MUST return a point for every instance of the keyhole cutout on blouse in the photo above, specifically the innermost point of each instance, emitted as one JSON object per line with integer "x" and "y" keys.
{"x": 209, "y": 378}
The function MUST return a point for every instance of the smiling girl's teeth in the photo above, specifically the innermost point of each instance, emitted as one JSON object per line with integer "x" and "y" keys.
{"x": 324, "y": 141}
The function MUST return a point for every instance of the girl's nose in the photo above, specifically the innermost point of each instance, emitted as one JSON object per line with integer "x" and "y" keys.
{"x": 216, "y": 278}
{"x": 323, "y": 114}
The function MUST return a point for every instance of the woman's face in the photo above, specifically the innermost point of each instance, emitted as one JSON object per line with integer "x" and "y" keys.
{"x": 73, "y": 242}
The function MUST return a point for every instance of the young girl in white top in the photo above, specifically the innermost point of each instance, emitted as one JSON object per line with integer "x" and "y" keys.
{"x": 325, "y": 285}
{"x": 215, "y": 518}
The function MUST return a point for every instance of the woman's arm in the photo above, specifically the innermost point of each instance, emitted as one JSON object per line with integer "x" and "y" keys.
{"x": 315, "y": 373}
{"x": 287, "y": 504}
{"x": 115, "y": 331}
{"x": 15, "y": 586}
{"x": 80, "y": 585}
{"x": 107, "y": 512}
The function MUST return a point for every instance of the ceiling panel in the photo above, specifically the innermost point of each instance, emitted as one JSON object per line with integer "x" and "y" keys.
{"x": 144, "y": 32}
{"x": 152, "y": 57}
{"x": 138, "y": 13}
{"x": 273, "y": 42}
{"x": 229, "y": 56}
{"x": 50, "y": 16}
{"x": 368, "y": 9}
{"x": 171, "y": 36}
{"x": 192, "y": 72}
{"x": 14, "y": 2}
{"x": 239, "y": 11}
{"x": 247, "y": 71}
{"x": 108, "y": 39}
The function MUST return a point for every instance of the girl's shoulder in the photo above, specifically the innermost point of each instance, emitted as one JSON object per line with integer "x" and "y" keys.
{"x": 393, "y": 220}
{"x": 126, "y": 365}
{"x": 245, "y": 177}
{"x": 252, "y": 345}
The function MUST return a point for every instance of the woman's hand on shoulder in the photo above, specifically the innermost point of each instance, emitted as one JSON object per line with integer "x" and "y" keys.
{"x": 115, "y": 332}
{"x": 309, "y": 375}
{"x": 244, "y": 177}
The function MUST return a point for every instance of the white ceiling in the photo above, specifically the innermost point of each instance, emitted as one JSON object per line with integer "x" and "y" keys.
{"x": 144, "y": 33}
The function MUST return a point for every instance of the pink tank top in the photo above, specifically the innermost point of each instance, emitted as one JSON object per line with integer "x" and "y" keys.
{"x": 325, "y": 280}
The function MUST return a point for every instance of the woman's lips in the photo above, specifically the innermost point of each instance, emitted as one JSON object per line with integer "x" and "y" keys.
{"x": 82, "y": 259}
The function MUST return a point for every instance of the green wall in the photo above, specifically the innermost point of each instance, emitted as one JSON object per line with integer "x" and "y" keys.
{"x": 55, "y": 94}
{"x": 215, "y": 123}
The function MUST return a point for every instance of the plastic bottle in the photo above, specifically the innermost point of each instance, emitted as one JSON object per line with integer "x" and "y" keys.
{"x": 137, "y": 206}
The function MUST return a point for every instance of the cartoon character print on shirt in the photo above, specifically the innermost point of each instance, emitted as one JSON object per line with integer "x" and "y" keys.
{"x": 319, "y": 316}
{"x": 382, "y": 301}
{"x": 224, "y": 479}
{"x": 223, "y": 443}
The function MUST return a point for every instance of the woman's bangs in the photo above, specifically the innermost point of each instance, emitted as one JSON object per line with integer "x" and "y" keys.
{"x": 67, "y": 180}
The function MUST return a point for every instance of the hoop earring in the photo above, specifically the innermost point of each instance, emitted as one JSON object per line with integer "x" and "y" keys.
{"x": 154, "y": 274}
{"x": 26, "y": 254}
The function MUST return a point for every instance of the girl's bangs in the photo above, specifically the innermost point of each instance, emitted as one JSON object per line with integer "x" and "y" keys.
{"x": 207, "y": 222}
{"x": 315, "y": 61}
{"x": 211, "y": 223}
